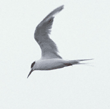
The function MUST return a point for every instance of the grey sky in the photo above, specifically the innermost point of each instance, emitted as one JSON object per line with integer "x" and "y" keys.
{"x": 81, "y": 30}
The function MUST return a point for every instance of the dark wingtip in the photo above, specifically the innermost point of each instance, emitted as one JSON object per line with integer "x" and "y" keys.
{"x": 61, "y": 7}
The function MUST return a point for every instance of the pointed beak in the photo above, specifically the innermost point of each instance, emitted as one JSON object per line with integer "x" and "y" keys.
{"x": 29, "y": 73}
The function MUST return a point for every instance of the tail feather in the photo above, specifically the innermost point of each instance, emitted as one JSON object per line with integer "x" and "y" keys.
{"x": 75, "y": 62}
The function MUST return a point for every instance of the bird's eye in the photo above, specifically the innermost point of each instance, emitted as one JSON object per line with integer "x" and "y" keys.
{"x": 32, "y": 64}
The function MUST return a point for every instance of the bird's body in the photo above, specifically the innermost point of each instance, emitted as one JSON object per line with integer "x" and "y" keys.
{"x": 50, "y": 58}
{"x": 49, "y": 64}
{"x": 55, "y": 63}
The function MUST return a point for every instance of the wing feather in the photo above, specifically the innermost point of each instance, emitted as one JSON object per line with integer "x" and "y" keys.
{"x": 41, "y": 35}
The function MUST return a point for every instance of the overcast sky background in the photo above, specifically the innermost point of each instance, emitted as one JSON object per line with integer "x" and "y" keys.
{"x": 81, "y": 30}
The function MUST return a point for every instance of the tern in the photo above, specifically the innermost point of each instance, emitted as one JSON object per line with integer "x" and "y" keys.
{"x": 50, "y": 58}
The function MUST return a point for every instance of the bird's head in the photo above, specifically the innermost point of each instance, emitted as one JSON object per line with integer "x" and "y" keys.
{"x": 32, "y": 68}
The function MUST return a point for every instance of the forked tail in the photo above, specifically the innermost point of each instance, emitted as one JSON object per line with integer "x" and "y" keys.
{"x": 75, "y": 62}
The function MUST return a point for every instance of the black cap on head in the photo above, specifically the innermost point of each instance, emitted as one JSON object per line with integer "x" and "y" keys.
{"x": 32, "y": 64}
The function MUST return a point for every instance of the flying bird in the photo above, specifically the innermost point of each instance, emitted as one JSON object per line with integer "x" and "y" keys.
{"x": 50, "y": 58}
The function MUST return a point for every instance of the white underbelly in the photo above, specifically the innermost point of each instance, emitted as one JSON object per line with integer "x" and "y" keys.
{"x": 50, "y": 64}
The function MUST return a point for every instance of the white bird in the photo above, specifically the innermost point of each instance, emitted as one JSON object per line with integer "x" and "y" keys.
{"x": 50, "y": 59}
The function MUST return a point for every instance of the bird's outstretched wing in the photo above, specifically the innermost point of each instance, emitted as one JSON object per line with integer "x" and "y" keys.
{"x": 41, "y": 35}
